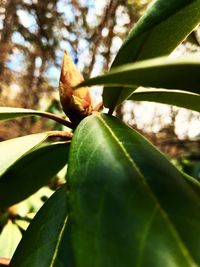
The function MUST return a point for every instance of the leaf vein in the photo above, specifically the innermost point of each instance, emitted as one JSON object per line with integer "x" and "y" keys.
{"x": 163, "y": 213}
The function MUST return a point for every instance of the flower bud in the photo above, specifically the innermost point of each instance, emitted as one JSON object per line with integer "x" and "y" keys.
{"x": 76, "y": 103}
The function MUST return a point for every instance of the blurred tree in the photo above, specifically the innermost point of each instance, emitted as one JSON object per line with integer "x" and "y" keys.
{"x": 33, "y": 35}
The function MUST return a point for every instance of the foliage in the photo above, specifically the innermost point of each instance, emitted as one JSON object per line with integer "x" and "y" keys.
{"x": 123, "y": 203}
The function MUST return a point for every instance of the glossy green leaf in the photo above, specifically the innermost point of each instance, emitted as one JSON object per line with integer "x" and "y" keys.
{"x": 171, "y": 97}
{"x": 13, "y": 149}
{"x": 9, "y": 113}
{"x": 9, "y": 239}
{"x": 31, "y": 172}
{"x": 163, "y": 27}
{"x": 181, "y": 73}
{"x": 42, "y": 243}
{"x": 129, "y": 206}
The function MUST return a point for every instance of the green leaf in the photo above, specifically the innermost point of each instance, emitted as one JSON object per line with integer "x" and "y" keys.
{"x": 163, "y": 27}
{"x": 129, "y": 206}
{"x": 8, "y": 113}
{"x": 13, "y": 149}
{"x": 192, "y": 181}
{"x": 170, "y": 97}
{"x": 42, "y": 243}
{"x": 31, "y": 172}
{"x": 181, "y": 73}
{"x": 9, "y": 239}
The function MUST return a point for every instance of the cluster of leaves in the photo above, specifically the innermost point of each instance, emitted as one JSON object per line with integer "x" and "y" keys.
{"x": 124, "y": 203}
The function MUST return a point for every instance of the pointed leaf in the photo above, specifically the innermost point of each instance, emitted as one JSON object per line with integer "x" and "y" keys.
{"x": 181, "y": 73}
{"x": 170, "y": 97}
{"x": 43, "y": 242}
{"x": 13, "y": 149}
{"x": 9, "y": 240}
{"x": 129, "y": 206}
{"x": 162, "y": 28}
{"x": 31, "y": 172}
{"x": 9, "y": 113}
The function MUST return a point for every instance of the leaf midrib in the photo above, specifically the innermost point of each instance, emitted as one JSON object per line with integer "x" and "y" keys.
{"x": 172, "y": 228}
{"x": 58, "y": 242}
{"x": 144, "y": 237}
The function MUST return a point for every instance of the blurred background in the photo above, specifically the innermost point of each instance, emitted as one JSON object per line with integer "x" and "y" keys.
{"x": 33, "y": 36}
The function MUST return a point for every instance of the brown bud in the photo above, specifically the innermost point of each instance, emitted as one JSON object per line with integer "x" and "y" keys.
{"x": 77, "y": 103}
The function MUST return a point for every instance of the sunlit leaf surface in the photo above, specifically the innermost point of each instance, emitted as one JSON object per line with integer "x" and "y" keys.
{"x": 9, "y": 239}
{"x": 13, "y": 149}
{"x": 31, "y": 172}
